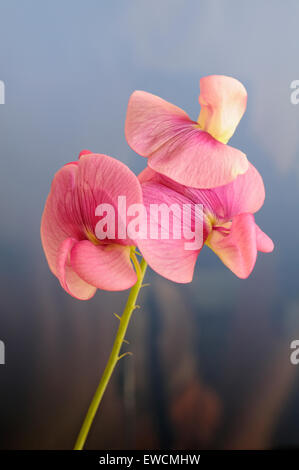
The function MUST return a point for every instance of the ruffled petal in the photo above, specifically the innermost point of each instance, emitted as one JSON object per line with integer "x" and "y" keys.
{"x": 69, "y": 280}
{"x": 177, "y": 147}
{"x": 223, "y": 103}
{"x": 106, "y": 267}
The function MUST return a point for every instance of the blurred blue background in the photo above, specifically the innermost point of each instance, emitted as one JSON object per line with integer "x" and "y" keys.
{"x": 211, "y": 364}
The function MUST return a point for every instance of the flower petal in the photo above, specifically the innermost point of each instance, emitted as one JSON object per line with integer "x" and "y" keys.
{"x": 84, "y": 152}
{"x": 106, "y": 267}
{"x": 245, "y": 194}
{"x": 237, "y": 250}
{"x": 57, "y": 221}
{"x": 171, "y": 257}
{"x": 223, "y": 103}
{"x": 102, "y": 179}
{"x": 177, "y": 147}
{"x": 69, "y": 280}
{"x": 194, "y": 158}
{"x": 148, "y": 174}
{"x": 77, "y": 189}
{"x": 151, "y": 122}
{"x": 263, "y": 242}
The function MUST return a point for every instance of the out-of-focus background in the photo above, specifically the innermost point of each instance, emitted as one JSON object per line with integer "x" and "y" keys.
{"x": 211, "y": 366}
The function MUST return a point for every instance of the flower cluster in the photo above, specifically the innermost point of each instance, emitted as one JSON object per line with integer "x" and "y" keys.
{"x": 190, "y": 165}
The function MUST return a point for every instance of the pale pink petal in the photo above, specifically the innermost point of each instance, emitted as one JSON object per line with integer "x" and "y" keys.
{"x": 238, "y": 249}
{"x": 168, "y": 256}
{"x": 223, "y": 103}
{"x": 106, "y": 267}
{"x": 263, "y": 242}
{"x": 69, "y": 280}
{"x": 194, "y": 158}
{"x": 177, "y": 147}
{"x": 151, "y": 122}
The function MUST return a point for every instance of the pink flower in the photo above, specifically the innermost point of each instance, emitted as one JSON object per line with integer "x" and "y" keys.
{"x": 191, "y": 153}
{"x": 229, "y": 228}
{"x": 80, "y": 261}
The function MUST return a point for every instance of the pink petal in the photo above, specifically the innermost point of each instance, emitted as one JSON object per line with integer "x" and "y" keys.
{"x": 263, "y": 242}
{"x": 238, "y": 249}
{"x": 77, "y": 189}
{"x": 102, "y": 179}
{"x": 69, "y": 280}
{"x": 106, "y": 267}
{"x": 151, "y": 122}
{"x": 84, "y": 152}
{"x": 223, "y": 103}
{"x": 147, "y": 175}
{"x": 57, "y": 222}
{"x": 168, "y": 257}
{"x": 194, "y": 158}
{"x": 245, "y": 194}
{"x": 177, "y": 147}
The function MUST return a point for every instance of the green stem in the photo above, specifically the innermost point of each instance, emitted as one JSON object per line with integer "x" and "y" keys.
{"x": 114, "y": 355}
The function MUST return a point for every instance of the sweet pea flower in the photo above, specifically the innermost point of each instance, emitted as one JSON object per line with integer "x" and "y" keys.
{"x": 81, "y": 261}
{"x": 229, "y": 227}
{"x": 191, "y": 153}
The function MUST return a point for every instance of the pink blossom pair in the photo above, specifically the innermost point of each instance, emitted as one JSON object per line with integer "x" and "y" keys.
{"x": 188, "y": 163}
